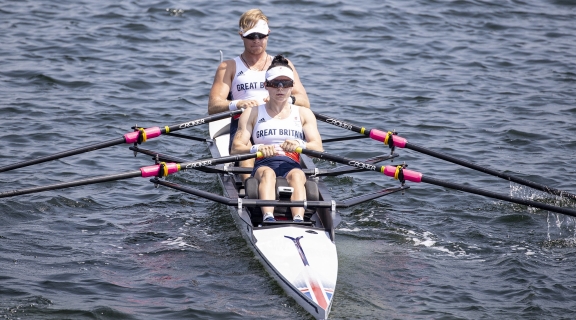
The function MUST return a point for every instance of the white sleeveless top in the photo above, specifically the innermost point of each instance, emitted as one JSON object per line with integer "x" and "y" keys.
{"x": 268, "y": 130}
{"x": 248, "y": 84}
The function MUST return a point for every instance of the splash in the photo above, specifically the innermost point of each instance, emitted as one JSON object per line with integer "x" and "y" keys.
{"x": 178, "y": 242}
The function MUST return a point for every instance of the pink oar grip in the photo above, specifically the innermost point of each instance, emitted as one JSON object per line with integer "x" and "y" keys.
{"x": 132, "y": 137}
{"x": 408, "y": 174}
{"x": 152, "y": 171}
{"x": 381, "y": 136}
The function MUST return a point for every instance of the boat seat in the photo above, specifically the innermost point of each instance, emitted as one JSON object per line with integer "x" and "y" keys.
{"x": 280, "y": 213}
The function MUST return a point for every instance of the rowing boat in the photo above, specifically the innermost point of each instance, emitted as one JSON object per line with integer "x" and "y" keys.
{"x": 301, "y": 257}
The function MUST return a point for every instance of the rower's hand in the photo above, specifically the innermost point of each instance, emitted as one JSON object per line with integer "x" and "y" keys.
{"x": 290, "y": 145}
{"x": 268, "y": 150}
{"x": 247, "y": 104}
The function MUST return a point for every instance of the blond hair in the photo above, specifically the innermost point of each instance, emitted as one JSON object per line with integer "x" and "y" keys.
{"x": 249, "y": 19}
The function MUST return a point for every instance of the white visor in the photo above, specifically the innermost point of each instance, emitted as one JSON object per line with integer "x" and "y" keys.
{"x": 260, "y": 27}
{"x": 279, "y": 71}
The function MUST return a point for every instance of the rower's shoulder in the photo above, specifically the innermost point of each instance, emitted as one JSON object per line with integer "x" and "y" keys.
{"x": 305, "y": 112}
{"x": 227, "y": 63}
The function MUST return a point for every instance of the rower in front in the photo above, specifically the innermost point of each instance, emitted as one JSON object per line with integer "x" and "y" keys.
{"x": 277, "y": 128}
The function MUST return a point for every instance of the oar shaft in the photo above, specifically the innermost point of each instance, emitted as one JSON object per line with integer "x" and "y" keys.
{"x": 215, "y": 161}
{"x": 400, "y": 142}
{"x": 131, "y": 137}
{"x": 68, "y": 153}
{"x": 194, "y": 123}
{"x": 342, "y": 124}
{"x": 540, "y": 205}
{"x": 76, "y": 183}
{"x": 414, "y": 176}
{"x": 162, "y": 169}
{"x": 496, "y": 173}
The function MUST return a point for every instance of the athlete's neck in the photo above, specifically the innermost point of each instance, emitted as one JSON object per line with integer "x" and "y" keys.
{"x": 277, "y": 109}
{"x": 255, "y": 61}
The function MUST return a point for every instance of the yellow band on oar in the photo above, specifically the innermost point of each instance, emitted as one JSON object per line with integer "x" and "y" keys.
{"x": 167, "y": 128}
{"x": 143, "y": 134}
{"x": 387, "y": 137}
{"x": 260, "y": 154}
{"x": 298, "y": 150}
{"x": 397, "y": 172}
{"x": 164, "y": 168}
{"x": 362, "y": 130}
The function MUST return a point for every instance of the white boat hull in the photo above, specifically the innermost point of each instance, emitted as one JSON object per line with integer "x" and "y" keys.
{"x": 304, "y": 260}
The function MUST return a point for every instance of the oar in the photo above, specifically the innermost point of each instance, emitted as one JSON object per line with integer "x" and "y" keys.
{"x": 393, "y": 140}
{"x": 402, "y": 174}
{"x": 247, "y": 170}
{"x": 137, "y": 136}
{"x": 159, "y": 170}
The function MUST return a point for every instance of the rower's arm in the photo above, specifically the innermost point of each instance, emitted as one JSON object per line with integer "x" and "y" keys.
{"x": 217, "y": 101}
{"x": 298, "y": 90}
{"x": 310, "y": 128}
{"x": 241, "y": 143}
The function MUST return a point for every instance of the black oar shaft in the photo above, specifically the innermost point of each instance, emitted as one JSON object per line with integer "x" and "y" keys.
{"x": 341, "y": 124}
{"x": 343, "y": 139}
{"x": 340, "y": 159}
{"x": 76, "y": 183}
{"x": 540, "y": 205}
{"x": 130, "y": 136}
{"x": 496, "y": 173}
{"x": 161, "y": 169}
{"x": 63, "y": 154}
{"x": 407, "y": 145}
{"x": 418, "y": 177}
{"x": 211, "y": 118}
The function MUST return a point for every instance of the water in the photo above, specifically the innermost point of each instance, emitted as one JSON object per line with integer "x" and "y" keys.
{"x": 488, "y": 82}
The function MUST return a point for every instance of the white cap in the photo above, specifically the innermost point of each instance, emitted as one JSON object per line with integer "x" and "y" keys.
{"x": 279, "y": 71}
{"x": 260, "y": 27}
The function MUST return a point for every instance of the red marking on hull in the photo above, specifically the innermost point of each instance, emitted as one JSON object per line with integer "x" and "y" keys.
{"x": 318, "y": 294}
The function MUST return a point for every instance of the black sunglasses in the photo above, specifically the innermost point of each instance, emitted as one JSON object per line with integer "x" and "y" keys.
{"x": 255, "y": 35}
{"x": 280, "y": 83}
